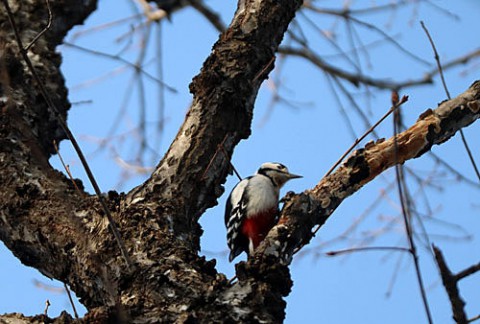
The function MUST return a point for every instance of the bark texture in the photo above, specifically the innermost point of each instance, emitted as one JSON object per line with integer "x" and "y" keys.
{"x": 63, "y": 233}
{"x": 314, "y": 206}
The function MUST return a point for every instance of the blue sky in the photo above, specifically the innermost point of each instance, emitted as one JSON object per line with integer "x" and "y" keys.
{"x": 309, "y": 138}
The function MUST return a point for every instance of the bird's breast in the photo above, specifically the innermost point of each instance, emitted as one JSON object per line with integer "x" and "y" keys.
{"x": 257, "y": 226}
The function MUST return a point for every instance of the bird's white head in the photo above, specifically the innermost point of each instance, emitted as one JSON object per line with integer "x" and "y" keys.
{"x": 277, "y": 172}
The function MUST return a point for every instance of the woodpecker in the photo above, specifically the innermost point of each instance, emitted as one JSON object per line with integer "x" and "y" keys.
{"x": 252, "y": 208}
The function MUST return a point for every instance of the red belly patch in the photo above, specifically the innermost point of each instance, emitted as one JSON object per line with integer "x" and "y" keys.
{"x": 256, "y": 227}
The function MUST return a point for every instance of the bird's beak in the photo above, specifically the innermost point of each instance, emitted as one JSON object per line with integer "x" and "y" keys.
{"x": 294, "y": 176}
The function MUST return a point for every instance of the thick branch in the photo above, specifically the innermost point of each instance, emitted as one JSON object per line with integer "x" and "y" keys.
{"x": 63, "y": 233}
{"x": 314, "y": 206}
{"x": 302, "y": 212}
{"x": 189, "y": 178}
{"x": 43, "y": 219}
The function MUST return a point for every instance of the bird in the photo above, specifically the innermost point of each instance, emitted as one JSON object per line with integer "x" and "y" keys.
{"x": 252, "y": 208}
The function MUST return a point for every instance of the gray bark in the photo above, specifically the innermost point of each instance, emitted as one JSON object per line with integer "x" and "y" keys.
{"x": 64, "y": 234}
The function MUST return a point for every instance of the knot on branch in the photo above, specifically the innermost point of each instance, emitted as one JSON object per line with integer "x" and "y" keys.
{"x": 267, "y": 273}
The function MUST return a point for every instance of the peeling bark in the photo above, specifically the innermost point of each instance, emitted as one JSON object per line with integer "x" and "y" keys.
{"x": 189, "y": 178}
{"x": 64, "y": 234}
{"x": 313, "y": 207}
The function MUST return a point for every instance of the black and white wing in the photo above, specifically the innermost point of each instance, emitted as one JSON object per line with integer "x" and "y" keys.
{"x": 235, "y": 213}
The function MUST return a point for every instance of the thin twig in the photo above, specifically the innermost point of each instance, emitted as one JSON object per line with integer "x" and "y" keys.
{"x": 209, "y": 14}
{"x": 437, "y": 59}
{"x": 408, "y": 226}
{"x": 274, "y": 82}
{"x": 355, "y": 143}
{"x": 356, "y": 79}
{"x": 451, "y": 169}
{"x": 105, "y": 26}
{"x": 351, "y": 40}
{"x": 343, "y": 54}
{"x": 443, "y": 10}
{"x": 470, "y": 270}
{"x": 262, "y": 71}
{"x": 368, "y": 248}
{"x": 67, "y": 169}
{"x": 220, "y": 147}
{"x": 394, "y": 277}
{"x": 40, "y": 34}
{"x": 230, "y": 282}
{"x": 71, "y": 300}
{"x": 213, "y": 157}
{"x": 47, "y": 304}
{"x": 378, "y": 7}
{"x": 440, "y": 70}
{"x": 353, "y": 101}
{"x": 340, "y": 105}
{"x": 231, "y": 164}
{"x": 122, "y": 60}
{"x": 345, "y": 14}
{"x": 69, "y": 134}
{"x": 141, "y": 92}
{"x": 370, "y": 130}
{"x": 161, "y": 90}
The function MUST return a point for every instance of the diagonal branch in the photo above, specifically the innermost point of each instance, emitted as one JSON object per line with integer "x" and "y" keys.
{"x": 302, "y": 211}
{"x": 189, "y": 178}
{"x": 268, "y": 269}
{"x": 50, "y": 227}
{"x": 450, "y": 283}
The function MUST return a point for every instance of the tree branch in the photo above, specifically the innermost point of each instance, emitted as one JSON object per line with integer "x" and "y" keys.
{"x": 189, "y": 178}
{"x": 303, "y": 211}
{"x": 359, "y": 78}
{"x": 315, "y": 206}
{"x": 50, "y": 226}
{"x": 450, "y": 284}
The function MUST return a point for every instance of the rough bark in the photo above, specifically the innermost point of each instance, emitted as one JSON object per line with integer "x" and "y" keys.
{"x": 63, "y": 233}
{"x": 314, "y": 206}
